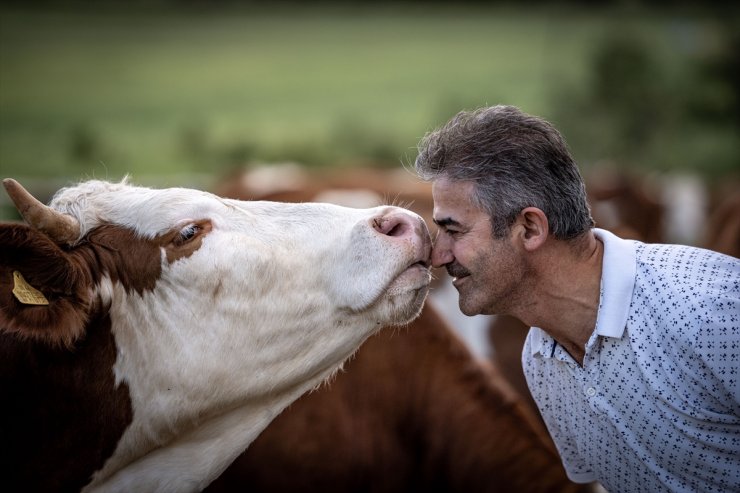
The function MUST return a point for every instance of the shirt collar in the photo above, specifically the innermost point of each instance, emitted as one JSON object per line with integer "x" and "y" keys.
{"x": 618, "y": 271}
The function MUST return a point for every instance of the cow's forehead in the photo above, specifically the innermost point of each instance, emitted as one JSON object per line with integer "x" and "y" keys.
{"x": 146, "y": 210}
{"x": 153, "y": 211}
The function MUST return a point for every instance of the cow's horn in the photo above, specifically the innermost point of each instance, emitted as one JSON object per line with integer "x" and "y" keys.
{"x": 61, "y": 228}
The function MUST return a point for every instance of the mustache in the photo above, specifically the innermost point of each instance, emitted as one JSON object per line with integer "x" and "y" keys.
{"x": 456, "y": 270}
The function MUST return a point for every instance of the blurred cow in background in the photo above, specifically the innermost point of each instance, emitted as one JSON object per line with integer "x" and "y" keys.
{"x": 290, "y": 182}
{"x": 722, "y": 233}
{"x": 414, "y": 411}
{"x": 630, "y": 207}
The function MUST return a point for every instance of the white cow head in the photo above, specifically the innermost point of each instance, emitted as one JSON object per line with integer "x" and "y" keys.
{"x": 223, "y": 311}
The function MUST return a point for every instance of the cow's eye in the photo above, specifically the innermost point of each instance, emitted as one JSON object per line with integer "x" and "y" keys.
{"x": 187, "y": 233}
{"x": 187, "y": 239}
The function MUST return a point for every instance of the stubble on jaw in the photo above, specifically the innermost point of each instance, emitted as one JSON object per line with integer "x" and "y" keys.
{"x": 502, "y": 283}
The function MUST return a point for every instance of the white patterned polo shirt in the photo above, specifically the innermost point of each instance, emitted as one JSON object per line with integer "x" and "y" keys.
{"x": 656, "y": 405}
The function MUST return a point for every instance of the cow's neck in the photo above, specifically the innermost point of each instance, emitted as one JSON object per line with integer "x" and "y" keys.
{"x": 195, "y": 458}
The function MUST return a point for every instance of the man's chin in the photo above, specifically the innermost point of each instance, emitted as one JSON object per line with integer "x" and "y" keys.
{"x": 468, "y": 308}
{"x": 467, "y": 305}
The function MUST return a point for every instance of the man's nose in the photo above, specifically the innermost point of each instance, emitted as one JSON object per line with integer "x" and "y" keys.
{"x": 441, "y": 252}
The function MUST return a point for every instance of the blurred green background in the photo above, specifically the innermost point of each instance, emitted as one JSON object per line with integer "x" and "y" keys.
{"x": 179, "y": 93}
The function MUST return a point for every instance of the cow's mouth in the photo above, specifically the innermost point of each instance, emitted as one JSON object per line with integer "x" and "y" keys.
{"x": 415, "y": 276}
{"x": 423, "y": 263}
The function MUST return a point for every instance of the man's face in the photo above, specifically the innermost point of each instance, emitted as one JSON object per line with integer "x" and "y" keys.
{"x": 487, "y": 272}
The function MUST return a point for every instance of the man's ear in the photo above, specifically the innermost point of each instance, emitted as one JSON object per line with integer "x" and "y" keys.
{"x": 533, "y": 228}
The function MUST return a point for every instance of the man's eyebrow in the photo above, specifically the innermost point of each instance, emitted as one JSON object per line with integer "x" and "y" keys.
{"x": 447, "y": 221}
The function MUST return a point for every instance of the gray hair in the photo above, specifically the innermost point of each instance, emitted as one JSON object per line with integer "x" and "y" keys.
{"x": 515, "y": 161}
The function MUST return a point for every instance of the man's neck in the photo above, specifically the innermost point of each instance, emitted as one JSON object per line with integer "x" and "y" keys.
{"x": 566, "y": 298}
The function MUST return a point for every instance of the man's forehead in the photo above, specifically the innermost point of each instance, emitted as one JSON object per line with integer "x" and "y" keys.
{"x": 453, "y": 201}
{"x": 445, "y": 184}
{"x": 458, "y": 192}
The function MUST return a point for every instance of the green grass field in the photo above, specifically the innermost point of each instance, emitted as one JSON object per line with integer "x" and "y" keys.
{"x": 154, "y": 93}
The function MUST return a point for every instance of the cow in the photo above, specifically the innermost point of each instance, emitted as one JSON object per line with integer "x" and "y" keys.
{"x": 148, "y": 336}
{"x": 412, "y": 411}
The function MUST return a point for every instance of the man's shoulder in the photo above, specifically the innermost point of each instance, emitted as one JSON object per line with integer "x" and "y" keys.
{"x": 682, "y": 264}
{"x": 684, "y": 254}
{"x": 682, "y": 291}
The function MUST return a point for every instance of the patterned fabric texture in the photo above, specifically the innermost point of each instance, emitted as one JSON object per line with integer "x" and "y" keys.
{"x": 656, "y": 404}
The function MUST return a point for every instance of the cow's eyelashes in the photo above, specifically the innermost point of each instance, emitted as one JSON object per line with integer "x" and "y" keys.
{"x": 187, "y": 233}
{"x": 187, "y": 239}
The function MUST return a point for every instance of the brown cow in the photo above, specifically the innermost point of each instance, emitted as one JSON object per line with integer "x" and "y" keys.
{"x": 414, "y": 411}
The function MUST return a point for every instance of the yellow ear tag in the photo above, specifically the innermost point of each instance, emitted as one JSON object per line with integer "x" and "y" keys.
{"x": 25, "y": 293}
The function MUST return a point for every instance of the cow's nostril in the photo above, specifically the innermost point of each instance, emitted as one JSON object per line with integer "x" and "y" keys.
{"x": 397, "y": 230}
{"x": 396, "y": 225}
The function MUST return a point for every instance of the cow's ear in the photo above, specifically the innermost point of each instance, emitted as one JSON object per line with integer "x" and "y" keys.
{"x": 45, "y": 291}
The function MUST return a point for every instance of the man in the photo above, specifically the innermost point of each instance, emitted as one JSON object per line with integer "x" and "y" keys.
{"x": 634, "y": 352}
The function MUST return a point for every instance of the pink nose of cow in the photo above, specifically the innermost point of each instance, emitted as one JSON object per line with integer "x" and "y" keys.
{"x": 401, "y": 225}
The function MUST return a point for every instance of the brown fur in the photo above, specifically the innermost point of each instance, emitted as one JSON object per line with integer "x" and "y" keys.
{"x": 640, "y": 213}
{"x": 723, "y": 227}
{"x": 413, "y": 412}
{"x": 507, "y": 335}
{"x": 62, "y": 412}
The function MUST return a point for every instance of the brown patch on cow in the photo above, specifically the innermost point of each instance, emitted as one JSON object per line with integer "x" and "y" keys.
{"x": 507, "y": 335}
{"x": 639, "y": 214}
{"x": 61, "y": 411}
{"x": 128, "y": 259}
{"x": 412, "y": 412}
{"x": 67, "y": 276}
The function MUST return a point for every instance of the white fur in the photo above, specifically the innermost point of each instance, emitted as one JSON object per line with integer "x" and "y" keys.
{"x": 270, "y": 305}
